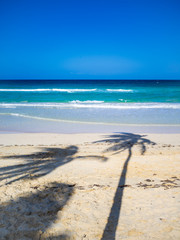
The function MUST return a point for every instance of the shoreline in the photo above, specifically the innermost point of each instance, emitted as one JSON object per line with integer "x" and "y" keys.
{"x": 92, "y": 123}
{"x": 14, "y": 124}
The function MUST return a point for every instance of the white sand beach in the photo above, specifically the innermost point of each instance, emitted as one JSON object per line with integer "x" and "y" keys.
{"x": 90, "y": 186}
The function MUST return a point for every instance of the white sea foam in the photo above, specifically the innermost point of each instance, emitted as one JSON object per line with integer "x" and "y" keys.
{"x": 123, "y": 100}
{"x": 25, "y": 90}
{"x": 48, "y": 90}
{"x": 119, "y": 90}
{"x": 73, "y": 90}
{"x": 87, "y": 101}
{"x": 93, "y": 104}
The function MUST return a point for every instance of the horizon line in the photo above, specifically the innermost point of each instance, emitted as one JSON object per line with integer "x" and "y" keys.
{"x": 41, "y": 79}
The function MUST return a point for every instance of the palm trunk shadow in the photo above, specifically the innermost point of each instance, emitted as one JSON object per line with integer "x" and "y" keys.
{"x": 121, "y": 142}
{"x": 112, "y": 223}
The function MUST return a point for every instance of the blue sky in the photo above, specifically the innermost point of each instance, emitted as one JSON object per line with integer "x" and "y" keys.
{"x": 90, "y": 39}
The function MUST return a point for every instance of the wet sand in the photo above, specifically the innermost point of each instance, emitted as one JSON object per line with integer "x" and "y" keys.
{"x": 90, "y": 186}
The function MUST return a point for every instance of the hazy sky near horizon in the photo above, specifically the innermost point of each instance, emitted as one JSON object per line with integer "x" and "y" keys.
{"x": 90, "y": 39}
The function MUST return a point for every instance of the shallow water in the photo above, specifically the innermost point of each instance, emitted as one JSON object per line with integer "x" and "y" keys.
{"x": 115, "y": 103}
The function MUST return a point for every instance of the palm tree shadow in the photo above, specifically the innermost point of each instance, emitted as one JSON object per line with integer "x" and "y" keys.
{"x": 38, "y": 164}
{"x": 30, "y": 216}
{"x": 41, "y": 163}
{"x": 121, "y": 142}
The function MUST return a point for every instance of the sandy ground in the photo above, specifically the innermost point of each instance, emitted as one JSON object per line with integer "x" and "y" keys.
{"x": 89, "y": 186}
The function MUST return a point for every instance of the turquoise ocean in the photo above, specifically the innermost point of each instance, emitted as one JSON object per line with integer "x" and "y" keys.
{"x": 45, "y": 105}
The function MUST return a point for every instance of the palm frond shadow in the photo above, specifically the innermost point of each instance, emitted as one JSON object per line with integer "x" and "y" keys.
{"x": 41, "y": 163}
{"x": 28, "y": 217}
{"x": 38, "y": 164}
{"x": 121, "y": 142}
{"x": 93, "y": 157}
{"x": 31, "y": 215}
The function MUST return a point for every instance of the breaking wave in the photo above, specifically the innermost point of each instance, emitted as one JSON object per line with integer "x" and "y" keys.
{"x": 49, "y": 90}
{"x": 87, "y": 101}
{"x": 119, "y": 90}
{"x": 73, "y": 90}
{"x": 95, "y": 104}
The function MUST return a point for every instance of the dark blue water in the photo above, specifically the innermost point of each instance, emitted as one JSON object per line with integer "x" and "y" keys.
{"x": 94, "y": 90}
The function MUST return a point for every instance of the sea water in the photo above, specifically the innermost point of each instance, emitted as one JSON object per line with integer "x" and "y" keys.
{"x": 31, "y": 103}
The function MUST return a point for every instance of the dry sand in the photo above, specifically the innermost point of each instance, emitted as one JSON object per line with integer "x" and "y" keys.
{"x": 89, "y": 186}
